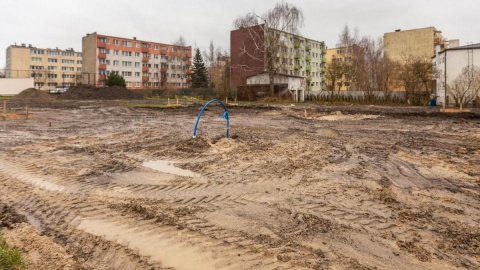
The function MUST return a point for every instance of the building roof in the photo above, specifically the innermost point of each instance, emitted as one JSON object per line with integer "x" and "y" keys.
{"x": 277, "y": 74}
{"x": 465, "y": 47}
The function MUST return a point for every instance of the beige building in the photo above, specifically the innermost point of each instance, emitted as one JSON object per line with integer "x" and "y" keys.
{"x": 50, "y": 68}
{"x": 337, "y": 60}
{"x": 143, "y": 64}
{"x": 420, "y": 43}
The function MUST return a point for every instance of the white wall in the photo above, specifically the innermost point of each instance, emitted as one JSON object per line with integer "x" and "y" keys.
{"x": 13, "y": 86}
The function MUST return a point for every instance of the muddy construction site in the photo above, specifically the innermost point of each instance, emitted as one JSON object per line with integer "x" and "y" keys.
{"x": 96, "y": 185}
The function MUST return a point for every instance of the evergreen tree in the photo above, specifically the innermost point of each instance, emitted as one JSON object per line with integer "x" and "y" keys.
{"x": 199, "y": 75}
{"x": 115, "y": 79}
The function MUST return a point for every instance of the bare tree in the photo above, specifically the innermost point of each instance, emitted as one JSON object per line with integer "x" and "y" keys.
{"x": 265, "y": 34}
{"x": 417, "y": 75}
{"x": 466, "y": 87}
{"x": 179, "y": 62}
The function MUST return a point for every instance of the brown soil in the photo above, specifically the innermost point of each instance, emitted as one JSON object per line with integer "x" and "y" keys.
{"x": 357, "y": 187}
{"x": 32, "y": 95}
{"x": 87, "y": 92}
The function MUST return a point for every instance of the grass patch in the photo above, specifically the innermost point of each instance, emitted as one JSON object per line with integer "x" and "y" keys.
{"x": 5, "y": 97}
{"x": 10, "y": 259}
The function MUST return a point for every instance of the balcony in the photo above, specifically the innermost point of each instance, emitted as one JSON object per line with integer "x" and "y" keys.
{"x": 308, "y": 58}
{"x": 164, "y": 52}
{"x": 101, "y": 44}
{"x": 145, "y": 78}
{"x": 297, "y": 67}
{"x": 102, "y": 55}
{"x": 324, "y": 51}
{"x": 102, "y": 77}
{"x": 309, "y": 77}
{"x": 145, "y": 49}
{"x": 296, "y": 45}
{"x": 163, "y": 70}
{"x": 145, "y": 59}
{"x": 102, "y": 66}
{"x": 309, "y": 68}
{"x": 309, "y": 47}
{"x": 145, "y": 69}
{"x": 324, "y": 60}
{"x": 298, "y": 56}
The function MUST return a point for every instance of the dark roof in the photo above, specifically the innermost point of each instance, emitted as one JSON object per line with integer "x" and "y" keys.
{"x": 280, "y": 74}
{"x": 465, "y": 47}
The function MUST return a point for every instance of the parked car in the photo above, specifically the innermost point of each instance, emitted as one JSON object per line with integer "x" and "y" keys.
{"x": 58, "y": 90}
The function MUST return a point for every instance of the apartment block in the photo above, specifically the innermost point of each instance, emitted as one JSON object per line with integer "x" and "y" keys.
{"x": 50, "y": 68}
{"x": 342, "y": 57}
{"x": 296, "y": 56}
{"x": 420, "y": 43}
{"x": 143, "y": 64}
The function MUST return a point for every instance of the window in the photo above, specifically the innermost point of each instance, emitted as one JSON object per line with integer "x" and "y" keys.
{"x": 36, "y": 51}
{"x": 52, "y": 76}
{"x": 36, "y": 67}
{"x": 137, "y": 84}
{"x": 52, "y": 68}
{"x": 156, "y": 47}
{"x": 137, "y": 64}
{"x": 137, "y": 45}
{"x": 68, "y": 61}
{"x": 155, "y": 56}
{"x": 79, "y": 69}
{"x": 126, "y": 63}
{"x": 125, "y": 53}
{"x": 103, "y": 39}
{"x": 115, "y": 52}
{"x": 115, "y": 42}
{"x": 126, "y": 43}
{"x": 137, "y": 74}
{"x": 52, "y": 53}
{"x": 126, "y": 73}
{"x": 36, "y": 59}
{"x": 70, "y": 54}
{"x": 137, "y": 54}
{"x": 116, "y": 62}
{"x": 79, "y": 62}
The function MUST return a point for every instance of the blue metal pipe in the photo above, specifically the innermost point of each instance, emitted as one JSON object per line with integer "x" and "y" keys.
{"x": 224, "y": 116}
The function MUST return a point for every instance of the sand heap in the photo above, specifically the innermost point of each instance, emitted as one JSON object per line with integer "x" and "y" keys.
{"x": 32, "y": 95}
{"x": 91, "y": 92}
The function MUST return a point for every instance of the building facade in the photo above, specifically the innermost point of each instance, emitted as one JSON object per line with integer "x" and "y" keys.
{"x": 337, "y": 61}
{"x": 399, "y": 46}
{"x": 295, "y": 56}
{"x": 143, "y": 64}
{"x": 50, "y": 68}
{"x": 449, "y": 63}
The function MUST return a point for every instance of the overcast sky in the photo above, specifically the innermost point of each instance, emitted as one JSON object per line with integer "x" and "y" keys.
{"x": 63, "y": 23}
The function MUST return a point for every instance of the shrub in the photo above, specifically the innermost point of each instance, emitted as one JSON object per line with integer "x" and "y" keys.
{"x": 115, "y": 79}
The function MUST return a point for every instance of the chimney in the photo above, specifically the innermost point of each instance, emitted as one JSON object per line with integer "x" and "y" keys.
{"x": 134, "y": 38}
{"x": 398, "y": 30}
{"x": 23, "y": 44}
{"x": 29, "y": 45}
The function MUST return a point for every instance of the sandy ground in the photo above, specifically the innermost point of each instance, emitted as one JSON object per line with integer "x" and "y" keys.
{"x": 106, "y": 187}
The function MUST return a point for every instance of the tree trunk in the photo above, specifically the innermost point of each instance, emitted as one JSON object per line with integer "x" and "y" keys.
{"x": 271, "y": 77}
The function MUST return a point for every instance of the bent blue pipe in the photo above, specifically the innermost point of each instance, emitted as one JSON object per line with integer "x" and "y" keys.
{"x": 224, "y": 116}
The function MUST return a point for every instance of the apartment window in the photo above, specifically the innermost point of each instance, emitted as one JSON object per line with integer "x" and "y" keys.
{"x": 70, "y": 54}
{"x": 115, "y": 52}
{"x": 129, "y": 84}
{"x": 79, "y": 62}
{"x": 137, "y": 64}
{"x": 137, "y": 74}
{"x": 52, "y": 68}
{"x": 52, "y": 52}
{"x": 103, "y": 39}
{"x": 36, "y": 51}
{"x": 155, "y": 56}
{"x": 126, "y": 73}
{"x": 137, "y": 84}
{"x": 52, "y": 76}
{"x": 115, "y": 42}
{"x": 79, "y": 69}
{"x": 36, "y": 67}
{"x": 156, "y": 47}
{"x": 137, "y": 45}
{"x": 172, "y": 76}
{"x": 102, "y": 61}
{"x": 126, "y": 63}
{"x": 155, "y": 84}
{"x": 125, "y": 53}
{"x": 137, "y": 54}
{"x": 68, "y": 61}
{"x": 126, "y": 43}
{"x": 116, "y": 62}
{"x": 155, "y": 65}
{"x": 155, "y": 75}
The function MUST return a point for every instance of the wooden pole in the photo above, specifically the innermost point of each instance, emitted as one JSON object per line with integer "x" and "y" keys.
{"x": 177, "y": 100}
{"x": 226, "y": 100}
{"x": 168, "y": 101}
{"x": 26, "y": 111}
{"x": 305, "y": 113}
{"x": 4, "y": 107}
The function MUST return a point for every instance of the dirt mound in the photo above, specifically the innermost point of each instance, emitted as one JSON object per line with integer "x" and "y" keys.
{"x": 32, "y": 95}
{"x": 91, "y": 92}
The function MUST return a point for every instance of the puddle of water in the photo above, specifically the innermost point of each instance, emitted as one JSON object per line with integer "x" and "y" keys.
{"x": 167, "y": 166}
{"x": 167, "y": 250}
